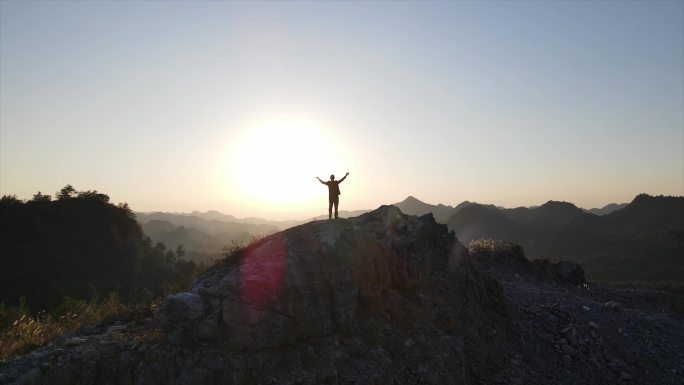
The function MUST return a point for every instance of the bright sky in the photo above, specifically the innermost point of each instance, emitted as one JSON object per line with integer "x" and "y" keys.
{"x": 237, "y": 106}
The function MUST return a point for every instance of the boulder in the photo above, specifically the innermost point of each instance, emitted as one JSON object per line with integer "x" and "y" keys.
{"x": 569, "y": 272}
{"x": 179, "y": 314}
{"x": 308, "y": 281}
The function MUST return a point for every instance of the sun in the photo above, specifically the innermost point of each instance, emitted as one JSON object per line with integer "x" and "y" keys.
{"x": 273, "y": 163}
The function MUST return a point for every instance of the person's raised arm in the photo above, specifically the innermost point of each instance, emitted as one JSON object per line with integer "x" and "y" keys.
{"x": 319, "y": 179}
{"x": 343, "y": 178}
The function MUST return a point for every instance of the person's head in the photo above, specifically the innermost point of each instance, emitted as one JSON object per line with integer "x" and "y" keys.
{"x": 332, "y": 177}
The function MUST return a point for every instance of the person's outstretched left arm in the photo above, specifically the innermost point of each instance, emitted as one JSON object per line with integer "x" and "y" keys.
{"x": 319, "y": 179}
{"x": 343, "y": 178}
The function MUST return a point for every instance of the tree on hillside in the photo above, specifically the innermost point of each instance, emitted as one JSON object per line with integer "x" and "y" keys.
{"x": 180, "y": 251}
{"x": 127, "y": 210}
{"x": 39, "y": 197}
{"x": 77, "y": 244}
{"x": 93, "y": 194}
{"x": 66, "y": 192}
{"x": 10, "y": 199}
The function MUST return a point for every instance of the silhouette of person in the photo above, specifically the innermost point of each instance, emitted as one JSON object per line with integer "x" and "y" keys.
{"x": 333, "y": 193}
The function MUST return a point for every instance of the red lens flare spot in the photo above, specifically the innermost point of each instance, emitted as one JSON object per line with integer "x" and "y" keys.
{"x": 262, "y": 271}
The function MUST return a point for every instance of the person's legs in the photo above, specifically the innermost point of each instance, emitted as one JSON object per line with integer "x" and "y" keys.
{"x": 337, "y": 202}
{"x": 330, "y": 206}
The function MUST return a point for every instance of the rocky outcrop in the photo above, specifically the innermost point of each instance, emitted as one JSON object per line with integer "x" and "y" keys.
{"x": 383, "y": 298}
{"x": 512, "y": 258}
{"x": 310, "y": 281}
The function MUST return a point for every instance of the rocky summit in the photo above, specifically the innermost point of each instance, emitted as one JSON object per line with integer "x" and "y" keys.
{"x": 383, "y": 298}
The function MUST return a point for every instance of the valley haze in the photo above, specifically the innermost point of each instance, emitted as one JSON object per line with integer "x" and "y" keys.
{"x": 411, "y": 204}
{"x": 639, "y": 243}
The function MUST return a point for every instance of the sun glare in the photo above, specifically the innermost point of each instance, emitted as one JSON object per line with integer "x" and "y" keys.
{"x": 274, "y": 163}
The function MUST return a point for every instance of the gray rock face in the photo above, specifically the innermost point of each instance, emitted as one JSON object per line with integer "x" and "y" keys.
{"x": 570, "y": 272}
{"x": 179, "y": 314}
{"x": 565, "y": 272}
{"x": 308, "y": 281}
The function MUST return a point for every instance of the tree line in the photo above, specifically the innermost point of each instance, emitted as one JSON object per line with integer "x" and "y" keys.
{"x": 79, "y": 245}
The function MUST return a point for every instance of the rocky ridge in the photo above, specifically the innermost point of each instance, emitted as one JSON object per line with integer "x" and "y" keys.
{"x": 383, "y": 298}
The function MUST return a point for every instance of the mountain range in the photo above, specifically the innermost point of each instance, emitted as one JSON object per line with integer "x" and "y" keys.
{"x": 204, "y": 234}
{"x": 642, "y": 241}
{"x": 607, "y": 209}
{"x": 636, "y": 244}
{"x": 638, "y": 241}
{"x": 442, "y": 213}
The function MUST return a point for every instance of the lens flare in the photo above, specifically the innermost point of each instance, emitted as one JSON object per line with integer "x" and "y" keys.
{"x": 262, "y": 271}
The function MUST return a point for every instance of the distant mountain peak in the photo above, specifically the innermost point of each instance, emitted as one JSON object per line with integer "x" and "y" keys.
{"x": 559, "y": 210}
{"x": 412, "y": 199}
{"x": 650, "y": 201}
{"x": 559, "y": 204}
{"x": 642, "y": 197}
{"x": 414, "y": 206}
{"x": 668, "y": 205}
{"x": 607, "y": 209}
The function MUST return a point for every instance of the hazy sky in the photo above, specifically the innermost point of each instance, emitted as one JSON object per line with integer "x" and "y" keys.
{"x": 237, "y": 106}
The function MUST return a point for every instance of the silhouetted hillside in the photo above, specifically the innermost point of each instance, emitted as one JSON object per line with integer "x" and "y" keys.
{"x": 76, "y": 246}
{"x": 203, "y": 235}
{"x": 214, "y": 215}
{"x": 209, "y": 226}
{"x": 607, "y": 209}
{"x": 191, "y": 238}
{"x": 157, "y": 226}
{"x": 413, "y": 206}
{"x": 442, "y": 213}
{"x": 550, "y": 213}
{"x": 558, "y": 213}
{"x": 217, "y": 215}
{"x": 644, "y": 241}
{"x": 647, "y": 212}
{"x": 252, "y": 225}
{"x": 474, "y": 220}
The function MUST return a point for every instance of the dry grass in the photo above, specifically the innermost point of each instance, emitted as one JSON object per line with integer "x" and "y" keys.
{"x": 491, "y": 246}
{"x": 232, "y": 254}
{"x": 21, "y": 331}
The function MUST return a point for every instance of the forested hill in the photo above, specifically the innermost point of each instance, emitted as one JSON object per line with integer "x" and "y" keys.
{"x": 644, "y": 241}
{"x": 79, "y": 245}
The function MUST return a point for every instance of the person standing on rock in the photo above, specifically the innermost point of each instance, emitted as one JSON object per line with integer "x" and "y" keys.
{"x": 333, "y": 193}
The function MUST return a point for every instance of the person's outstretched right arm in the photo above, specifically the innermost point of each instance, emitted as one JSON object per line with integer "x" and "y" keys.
{"x": 343, "y": 178}
{"x": 319, "y": 179}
